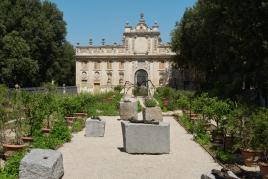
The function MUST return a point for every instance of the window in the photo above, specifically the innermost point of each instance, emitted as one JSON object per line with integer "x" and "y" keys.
{"x": 109, "y": 65}
{"x": 84, "y": 65}
{"x": 84, "y": 76}
{"x": 97, "y": 65}
{"x": 121, "y": 65}
{"x": 162, "y": 65}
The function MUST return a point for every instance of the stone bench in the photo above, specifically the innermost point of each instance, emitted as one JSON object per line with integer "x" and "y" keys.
{"x": 95, "y": 128}
{"x": 41, "y": 164}
{"x": 146, "y": 138}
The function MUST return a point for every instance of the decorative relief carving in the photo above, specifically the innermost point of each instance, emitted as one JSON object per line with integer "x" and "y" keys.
{"x": 97, "y": 75}
{"x": 109, "y": 80}
{"x": 84, "y": 76}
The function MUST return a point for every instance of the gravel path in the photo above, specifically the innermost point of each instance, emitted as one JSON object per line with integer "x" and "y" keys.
{"x": 101, "y": 158}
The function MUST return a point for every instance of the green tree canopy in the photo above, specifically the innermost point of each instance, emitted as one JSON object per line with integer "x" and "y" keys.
{"x": 227, "y": 41}
{"x": 33, "y": 48}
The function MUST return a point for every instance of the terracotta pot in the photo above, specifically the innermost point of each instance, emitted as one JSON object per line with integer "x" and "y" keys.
{"x": 186, "y": 112}
{"x": 264, "y": 169}
{"x": 107, "y": 100}
{"x": 27, "y": 139}
{"x": 194, "y": 116}
{"x": 250, "y": 157}
{"x": 13, "y": 147}
{"x": 210, "y": 127}
{"x": 45, "y": 130}
{"x": 80, "y": 114}
{"x": 228, "y": 142}
{"x": 217, "y": 138}
{"x": 165, "y": 102}
{"x": 70, "y": 119}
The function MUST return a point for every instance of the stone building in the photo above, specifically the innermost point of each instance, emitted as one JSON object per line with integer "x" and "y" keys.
{"x": 141, "y": 57}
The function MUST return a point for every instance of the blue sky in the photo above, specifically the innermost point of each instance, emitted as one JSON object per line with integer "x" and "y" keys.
{"x": 99, "y": 19}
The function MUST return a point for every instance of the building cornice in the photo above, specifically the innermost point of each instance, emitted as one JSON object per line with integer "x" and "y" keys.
{"x": 86, "y": 57}
{"x": 141, "y": 33}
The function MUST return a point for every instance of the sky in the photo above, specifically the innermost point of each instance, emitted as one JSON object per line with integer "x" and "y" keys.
{"x": 99, "y": 19}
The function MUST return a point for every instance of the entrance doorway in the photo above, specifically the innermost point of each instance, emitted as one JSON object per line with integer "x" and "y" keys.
{"x": 141, "y": 78}
{"x": 141, "y": 83}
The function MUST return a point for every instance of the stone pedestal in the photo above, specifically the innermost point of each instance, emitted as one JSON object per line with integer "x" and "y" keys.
{"x": 128, "y": 108}
{"x": 146, "y": 138}
{"x": 41, "y": 164}
{"x": 152, "y": 113}
{"x": 95, "y": 128}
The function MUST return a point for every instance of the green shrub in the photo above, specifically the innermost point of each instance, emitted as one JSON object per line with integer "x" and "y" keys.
{"x": 58, "y": 136}
{"x": 186, "y": 123}
{"x": 78, "y": 125}
{"x": 46, "y": 142}
{"x": 203, "y": 139}
{"x": 183, "y": 102}
{"x": 61, "y": 131}
{"x": 150, "y": 103}
{"x": 166, "y": 92}
{"x": 118, "y": 88}
{"x": 224, "y": 156}
{"x": 171, "y": 105}
{"x": 260, "y": 131}
{"x": 199, "y": 127}
{"x": 139, "y": 107}
{"x": 11, "y": 169}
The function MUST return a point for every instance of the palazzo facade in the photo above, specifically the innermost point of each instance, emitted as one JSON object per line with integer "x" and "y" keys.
{"x": 140, "y": 57}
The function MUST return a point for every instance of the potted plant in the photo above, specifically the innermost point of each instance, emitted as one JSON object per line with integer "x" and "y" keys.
{"x": 48, "y": 106}
{"x": 3, "y": 116}
{"x": 34, "y": 114}
{"x": 220, "y": 109}
{"x": 17, "y": 115}
{"x": 150, "y": 102}
{"x": 183, "y": 102}
{"x": 244, "y": 135}
{"x": 261, "y": 137}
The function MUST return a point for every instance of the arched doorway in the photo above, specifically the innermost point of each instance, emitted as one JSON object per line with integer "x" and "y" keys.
{"x": 141, "y": 83}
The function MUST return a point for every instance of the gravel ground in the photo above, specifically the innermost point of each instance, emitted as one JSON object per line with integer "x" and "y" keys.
{"x": 101, "y": 158}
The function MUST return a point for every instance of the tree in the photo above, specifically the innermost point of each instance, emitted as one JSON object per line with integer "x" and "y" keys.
{"x": 227, "y": 41}
{"x": 33, "y": 48}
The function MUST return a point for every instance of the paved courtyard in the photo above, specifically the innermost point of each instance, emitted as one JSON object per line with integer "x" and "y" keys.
{"x": 101, "y": 158}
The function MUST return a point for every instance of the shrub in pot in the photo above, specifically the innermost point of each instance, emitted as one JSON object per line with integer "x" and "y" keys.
{"x": 244, "y": 135}
{"x": 3, "y": 115}
{"x": 17, "y": 114}
{"x": 183, "y": 102}
{"x": 150, "y": 102}
{"x": 261, "y": 137}
{"x": 34, "y": 114}
{"x": 220, "y": 110}
{"x": 202, "y": 104}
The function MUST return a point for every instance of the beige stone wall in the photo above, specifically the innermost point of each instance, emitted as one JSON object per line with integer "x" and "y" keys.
{"x": 87, "y": 75}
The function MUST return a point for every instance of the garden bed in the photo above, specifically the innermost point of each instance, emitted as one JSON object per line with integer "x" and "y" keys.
{"x": 33, "y": 112}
